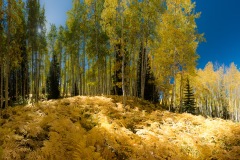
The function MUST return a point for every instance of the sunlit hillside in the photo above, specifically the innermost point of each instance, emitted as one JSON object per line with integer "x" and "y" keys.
{"x": 101, "y": 128}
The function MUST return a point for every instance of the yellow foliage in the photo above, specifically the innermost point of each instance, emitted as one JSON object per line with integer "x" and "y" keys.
{"x": 95, "y": 128}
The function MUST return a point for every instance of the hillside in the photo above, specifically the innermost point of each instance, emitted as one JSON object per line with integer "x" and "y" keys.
{"x": 100, "y": 128}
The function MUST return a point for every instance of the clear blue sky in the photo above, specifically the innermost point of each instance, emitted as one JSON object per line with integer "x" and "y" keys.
{"x": 56, "y": 11}
{"x": 220, "y": 21}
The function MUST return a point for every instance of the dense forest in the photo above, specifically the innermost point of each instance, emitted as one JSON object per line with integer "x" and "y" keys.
{"x": 145, "y": 49}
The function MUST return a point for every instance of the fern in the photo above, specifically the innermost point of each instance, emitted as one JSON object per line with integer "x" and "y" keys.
{"x": 98, "y": 128}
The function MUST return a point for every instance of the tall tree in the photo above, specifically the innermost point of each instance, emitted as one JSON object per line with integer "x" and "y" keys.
{"x": 33, "y": 10}
{"x": 59, "y": 49}
{"x": 18, "y": 66}
{"x": 24, "y": 71}
{"x": 149, "y": 14}
{"x": 179, "y": 39}
{"x": 53, "y": 79}
{"x": 114, "y": 13}
{"x": 13, "y": 42}
{"x": 151, "y": 92}
{"x": 2, "y": 37}
{"x": 189, "y": 100}
{"x": 74, "y": 48}
{"x": 7, "y": 54}
{"x": 115, "y": 24}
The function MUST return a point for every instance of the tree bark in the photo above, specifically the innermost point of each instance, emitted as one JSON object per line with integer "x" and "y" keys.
{"x": 123, "y": 62}
{"x": 181, "y": 93}
{"x": 123, "y": 80}
{"x": 65, "y": 76}
{"x": 2, "y": 75}
{"x": 16, "y": 89}
{"x": 143, "y": 70}
{"x": 84, "y": 64}
{"x": 7, "y": 60}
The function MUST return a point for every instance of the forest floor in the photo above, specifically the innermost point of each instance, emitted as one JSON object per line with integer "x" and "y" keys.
{"x": 101, "y": 128}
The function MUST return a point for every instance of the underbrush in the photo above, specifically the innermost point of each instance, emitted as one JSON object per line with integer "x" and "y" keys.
{"x": 101, "y": 128}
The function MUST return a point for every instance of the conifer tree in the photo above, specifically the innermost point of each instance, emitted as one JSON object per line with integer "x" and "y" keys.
{"x": 178, "y": 37}
{"x": 117, "y": 73}
{"x": 53, "y": 79}
{"x": 150, "y": 92}
{"x": 189, "y": 100}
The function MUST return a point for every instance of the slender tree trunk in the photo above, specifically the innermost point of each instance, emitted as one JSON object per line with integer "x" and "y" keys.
{"x": 2, "y": 75}
{"x": 123, "y": 64}
{"x": 210, "y": 108}
{"x": 79, "y": 74}
{"x": 1, "y": 56}
{"x": 16, "y": 89}
{"x": 65, "y": 76}
{"x": 73, "y": 78}
{"x": 201, "y": 108}
{"x": 32, "y": 76}
{"x": 139, "y": 73}
{"x": 143, "y": 70}
{"x": 110, "y": 74}
{"x": 237, "y": 112}
{"x": 60, "y": 71}
{"x": 181, "y": 93}
{"x": 7, "y": 79}
{"x": 173, "y": 103}
{"x": 106, "y": 76}
{"x": 25, "y": 82}
{"x": 84, "y": 64}
{"x": 235, "y": 108}
{"x": 133, "y": 81}
{"x": 97, "y": 50}
{"x": 206, "y": 107}
{"x": 37, "y": 77}
{"x": 123, "y": 80}
{"x": 7, "y": 60}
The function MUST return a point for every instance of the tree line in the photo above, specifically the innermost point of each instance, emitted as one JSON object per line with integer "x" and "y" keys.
{"x": 211, "y": 92}
{"x": 144, "y": 49}
{"x": 217, "y": 91}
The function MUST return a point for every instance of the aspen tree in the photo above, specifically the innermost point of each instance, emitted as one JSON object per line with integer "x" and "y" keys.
{"x": 1, "y": 50}
{"x": 178, "y": 42}
{"x": 33, "y": 11}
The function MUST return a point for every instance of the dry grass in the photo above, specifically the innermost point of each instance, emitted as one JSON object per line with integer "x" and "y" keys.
{"x": 101, "y": 128}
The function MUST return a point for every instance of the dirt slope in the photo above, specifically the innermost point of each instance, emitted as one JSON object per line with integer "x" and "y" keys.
{"x": 100, "y": 128}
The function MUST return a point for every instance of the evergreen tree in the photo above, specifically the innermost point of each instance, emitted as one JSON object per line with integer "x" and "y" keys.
{"x": 189, "y": 100}
{"x": 117, "y": 73}
{"x": 150, "y": 92}
{"x": 53, "y": 79}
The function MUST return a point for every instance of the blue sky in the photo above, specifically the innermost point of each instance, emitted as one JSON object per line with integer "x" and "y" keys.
{"x": 56, "y": 11}
{"x": 220, "y": 21}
